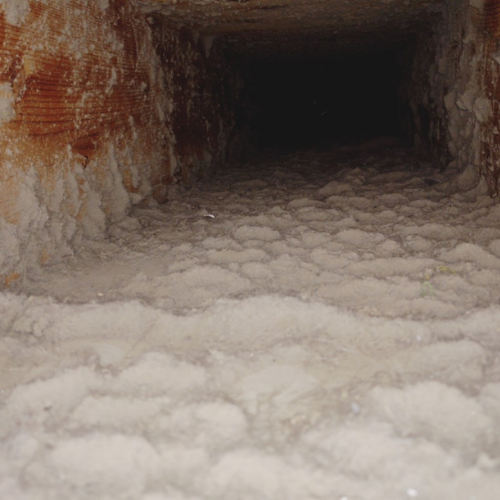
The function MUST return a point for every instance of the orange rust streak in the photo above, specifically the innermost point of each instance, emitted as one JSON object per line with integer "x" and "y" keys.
{"x": 492, "y": 17}
{"x": 77, "y": 87}
{"x": 62, "y": 93}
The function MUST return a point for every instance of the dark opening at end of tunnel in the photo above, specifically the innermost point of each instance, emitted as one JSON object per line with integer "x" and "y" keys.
{"x": 323, "y": 102}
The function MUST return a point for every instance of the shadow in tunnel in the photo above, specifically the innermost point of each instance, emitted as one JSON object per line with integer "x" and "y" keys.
{"x": 320, "y": 103}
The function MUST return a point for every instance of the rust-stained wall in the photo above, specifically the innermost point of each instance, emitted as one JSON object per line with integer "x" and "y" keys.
{"x": 91, "y": 123}
{"x": 81, "y": 127}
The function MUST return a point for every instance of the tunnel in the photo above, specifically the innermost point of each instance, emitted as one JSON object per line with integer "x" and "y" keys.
{"x": 135, "y": 97}
{"x": 249, "y": 249}
{"x": 318, "y": 103}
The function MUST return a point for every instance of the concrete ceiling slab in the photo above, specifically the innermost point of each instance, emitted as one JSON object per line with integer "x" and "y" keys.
{"x": 269, "y": 26}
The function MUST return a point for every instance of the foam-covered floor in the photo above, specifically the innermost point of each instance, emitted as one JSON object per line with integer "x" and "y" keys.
{"x": 311, "y": 326}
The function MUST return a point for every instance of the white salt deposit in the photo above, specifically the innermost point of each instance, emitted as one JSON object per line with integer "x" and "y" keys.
{"x": 15, "y": 12}
{"x": 307, "y": 327}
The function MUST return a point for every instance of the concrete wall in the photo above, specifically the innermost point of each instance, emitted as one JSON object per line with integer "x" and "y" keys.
{"x": 451, "y": 105}
{"x": 90, "y": 122}
{"x": 203, "y": 93}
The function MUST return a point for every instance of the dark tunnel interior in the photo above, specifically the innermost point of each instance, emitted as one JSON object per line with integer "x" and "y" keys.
{"x": 321, "y": 102}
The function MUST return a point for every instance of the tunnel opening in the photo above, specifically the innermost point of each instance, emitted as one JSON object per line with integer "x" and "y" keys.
{"x": 145, "y": 95}
{"x": 328, "y": 101}
{"x": 319, "y": 324}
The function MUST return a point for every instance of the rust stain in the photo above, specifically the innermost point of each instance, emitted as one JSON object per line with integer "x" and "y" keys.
{"x": 9, "y": 193}
{"x": 81, "y": 83}
{"x": 79, "y": 80}
{"x": 492, "y": 17}
{"x": 85, "y": 147}
{"x": 44, "y": 257}
{"x": 128, "y": 181}
{"x": 71, "y": 91}
{"x": 10, "y": 279}
{"x": 74, "y": 89}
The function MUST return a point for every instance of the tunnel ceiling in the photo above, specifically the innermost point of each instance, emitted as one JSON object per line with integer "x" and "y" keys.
{"x": 281, "y": 27}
